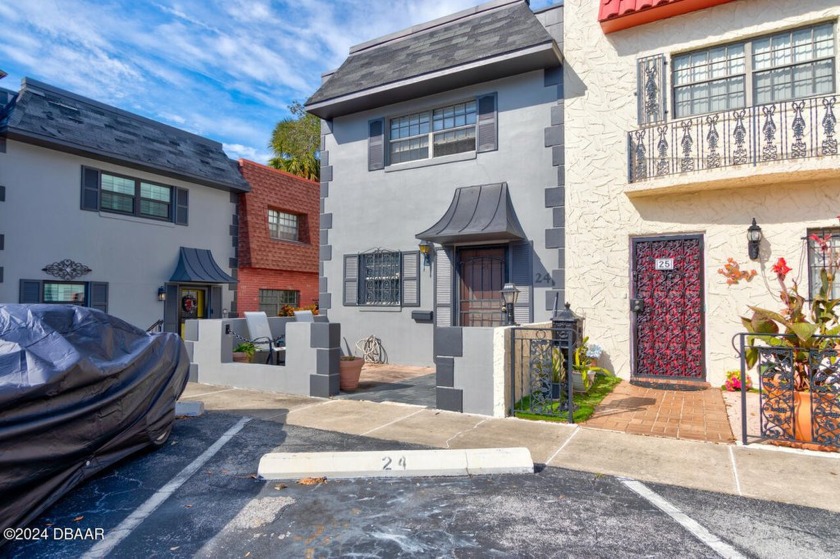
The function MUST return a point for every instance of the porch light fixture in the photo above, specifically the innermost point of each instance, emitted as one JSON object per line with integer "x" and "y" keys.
{"x": 161, "y": 293}
{"x": 753, "y": 240}
{"x": 509, "y": 296}
{"x": 426, "y": 251}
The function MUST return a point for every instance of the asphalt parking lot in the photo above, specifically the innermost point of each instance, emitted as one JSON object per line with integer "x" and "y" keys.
{"x": 223, "y": 510}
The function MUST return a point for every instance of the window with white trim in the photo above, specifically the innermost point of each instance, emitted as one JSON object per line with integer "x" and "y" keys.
{"x": 789, "y": 65}
{"x": 135, "y": 197}
{"x": 283, "y": 225}
{"x": 448, "y": 130}
{"x": 823, "y": 254}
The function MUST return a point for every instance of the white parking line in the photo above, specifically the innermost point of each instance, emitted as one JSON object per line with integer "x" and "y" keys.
{"x": 141, "y": 513}
{"x": 722, "y": 548}
{"x": 207, "y": 393}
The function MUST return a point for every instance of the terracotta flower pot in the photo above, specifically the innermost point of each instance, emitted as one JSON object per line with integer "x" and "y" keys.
{"x": 241, "y": 357}
{"x": 350, "y": 370}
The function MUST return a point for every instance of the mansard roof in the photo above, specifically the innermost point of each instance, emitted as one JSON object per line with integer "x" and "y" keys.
{"x": 50, "y": 117}
{"x": 490, "y": 41}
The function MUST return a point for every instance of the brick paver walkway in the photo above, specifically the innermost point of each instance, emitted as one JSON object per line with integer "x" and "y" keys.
{"x": 682, "y": 414}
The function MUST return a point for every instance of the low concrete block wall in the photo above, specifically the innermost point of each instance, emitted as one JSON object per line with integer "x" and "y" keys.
{"x": 312, "y": 352}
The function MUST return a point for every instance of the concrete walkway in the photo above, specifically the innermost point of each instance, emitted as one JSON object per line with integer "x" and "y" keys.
{"x": 784, "y": 475}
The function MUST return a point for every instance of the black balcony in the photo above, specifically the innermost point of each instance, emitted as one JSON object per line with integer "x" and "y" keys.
{"x": 785, "y": 130}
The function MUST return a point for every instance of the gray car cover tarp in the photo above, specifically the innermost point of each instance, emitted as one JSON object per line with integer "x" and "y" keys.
{"x": 79, "y": 391}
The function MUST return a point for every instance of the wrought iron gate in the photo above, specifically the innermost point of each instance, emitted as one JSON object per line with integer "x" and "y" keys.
{"x": 799, "y": 388}
{"x": 667, "y": 303}
{"x": 538, "y": 364}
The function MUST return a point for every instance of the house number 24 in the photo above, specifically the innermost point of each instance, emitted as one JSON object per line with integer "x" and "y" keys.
{"x": 387, "y": 461}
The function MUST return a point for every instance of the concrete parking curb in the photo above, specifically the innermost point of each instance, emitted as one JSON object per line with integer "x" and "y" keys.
{"x": 398, "y": 463}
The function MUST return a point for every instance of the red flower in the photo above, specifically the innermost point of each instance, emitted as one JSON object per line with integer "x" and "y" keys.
{"x": 781, "y": 268}
{"x": 823, "y": 242}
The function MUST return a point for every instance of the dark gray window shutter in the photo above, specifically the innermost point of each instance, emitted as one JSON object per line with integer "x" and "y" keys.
{"x": 99, "y": 295}
{"x": 351, "y": 279}
{"x": 410, "y": 278}
{"x": 521, "y": 274}
{"x": 30, "y": 291}
{"x": 182, "y": 209}
{"x": 90, "y": 189}
{"x": 376, "y": 145}
{"x": 650, "y": 89}
{"x": 215, "y": 310}
{"x": 487, "y": 133}
{"x": 170, "y": 309}
{"x": 443, "y": 287}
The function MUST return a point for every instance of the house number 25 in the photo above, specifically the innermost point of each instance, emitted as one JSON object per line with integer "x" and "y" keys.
{"x": 387, "y": 461}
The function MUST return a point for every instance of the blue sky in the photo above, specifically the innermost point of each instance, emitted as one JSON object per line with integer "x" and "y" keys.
{"x": 225, "y": 69}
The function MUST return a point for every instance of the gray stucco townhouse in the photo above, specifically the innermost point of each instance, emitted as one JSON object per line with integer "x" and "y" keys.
{"x": 447, "y": 135}
{"x": 103, "y": 208}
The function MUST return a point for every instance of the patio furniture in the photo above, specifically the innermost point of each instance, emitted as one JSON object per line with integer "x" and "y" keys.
{"x": 304, "y": 316}
{"x": 260, "y": 332}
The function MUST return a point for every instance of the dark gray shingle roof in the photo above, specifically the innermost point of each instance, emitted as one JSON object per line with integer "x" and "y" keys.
{"x": 487, "y": 34}
{"x": 45, "y": 115}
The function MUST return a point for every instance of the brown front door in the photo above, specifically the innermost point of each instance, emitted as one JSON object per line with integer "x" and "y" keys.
{"x": 667, "y": 306}
{"x": 481, "y": 278}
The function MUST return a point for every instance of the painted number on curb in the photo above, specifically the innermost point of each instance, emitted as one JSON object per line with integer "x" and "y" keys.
{"x": 387, "y": 461}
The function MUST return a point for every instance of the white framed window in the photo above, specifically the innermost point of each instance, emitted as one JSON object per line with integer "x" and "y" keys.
{"x": 283, "y": 225}
{"x": 823, "y": 250}
{"x": 446, "y": 130}
{"x": 130, "y": 196}
{"x": 783, "y": 66}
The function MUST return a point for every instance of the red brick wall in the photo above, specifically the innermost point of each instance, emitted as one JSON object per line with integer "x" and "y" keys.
{"x": 278, "y": 190}
{"x": 251, "y": 280}
{"x": 266, "y": 263}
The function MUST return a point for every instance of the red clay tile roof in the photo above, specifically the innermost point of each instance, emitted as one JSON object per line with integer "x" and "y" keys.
{"x": 615, "y": 15}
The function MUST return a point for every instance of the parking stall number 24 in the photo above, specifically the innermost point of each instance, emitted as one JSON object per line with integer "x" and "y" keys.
{"x": 387, "y": 462}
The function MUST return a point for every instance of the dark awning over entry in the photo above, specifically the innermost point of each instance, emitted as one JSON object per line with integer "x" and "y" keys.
{"x": 197, "y": 265}
{"x": 477, "y": 213}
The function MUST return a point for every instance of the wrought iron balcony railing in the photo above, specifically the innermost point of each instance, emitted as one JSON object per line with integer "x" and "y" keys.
{"x": 753, "y": 135}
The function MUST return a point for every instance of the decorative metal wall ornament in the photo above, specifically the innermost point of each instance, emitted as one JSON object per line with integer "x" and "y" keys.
{"x": 798, "y": 148}
{"x": 769, "y": 152}
{"x": 651, "y": 90}
{"x": 687, "y": 144}
{"x": 712, "y": 138}
{"x": 66, "y": 269}
{"x": 829, "y": 123}
{"x": 662, "y": 167}
{"x": 739, "y": 156}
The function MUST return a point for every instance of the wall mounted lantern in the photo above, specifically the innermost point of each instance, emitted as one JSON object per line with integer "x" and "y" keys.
{"x": 161, "y": 293}
{"x": 509, "y": 296}
{"x": 753, "y": 240}
{"x": 426, "y": 250}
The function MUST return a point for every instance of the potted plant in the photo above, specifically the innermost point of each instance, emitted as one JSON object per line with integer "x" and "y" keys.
{"x": 350, "y": 369}
{"x": 584, "y": 368}
{"x": 800, "y": 335}
{"x": 244, "y": 352}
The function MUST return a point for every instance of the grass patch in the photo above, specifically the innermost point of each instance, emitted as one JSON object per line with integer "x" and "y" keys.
{"x": 584, "y": 403}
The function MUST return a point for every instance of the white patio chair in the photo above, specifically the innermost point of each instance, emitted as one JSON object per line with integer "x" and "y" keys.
{"x": 304, "y": 316}
{"x": 261, "y": 337}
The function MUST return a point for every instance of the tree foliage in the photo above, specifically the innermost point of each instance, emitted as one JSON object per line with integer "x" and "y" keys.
{"x": 295, "y": 142}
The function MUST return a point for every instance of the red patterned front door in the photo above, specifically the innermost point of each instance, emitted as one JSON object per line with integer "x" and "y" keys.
{"x": 667, "y": 307}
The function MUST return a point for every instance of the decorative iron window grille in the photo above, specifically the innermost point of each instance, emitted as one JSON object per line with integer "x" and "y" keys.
{"x": 379, "y": 275}
{"x": 820, "y": 257}
{"x": 650, "y": 89}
